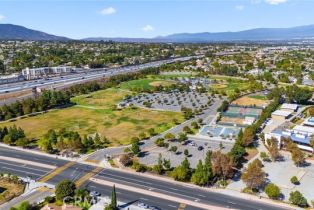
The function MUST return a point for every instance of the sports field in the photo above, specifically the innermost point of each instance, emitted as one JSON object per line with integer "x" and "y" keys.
{"x": 252, "y": 100}
{"x": 145, "y": 84}
{"x": 96, "y": 113}
{"x": 230, "y": 85}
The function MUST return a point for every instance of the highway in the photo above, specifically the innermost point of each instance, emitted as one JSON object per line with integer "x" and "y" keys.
{"x": 77, "y": 171}
{"x": 82, "y": 76}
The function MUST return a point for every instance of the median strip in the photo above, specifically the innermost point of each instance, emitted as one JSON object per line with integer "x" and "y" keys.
{"x": 158, "y": 195}
{"x": 27, "y": 162}
{"x": 88, "y": 176}
{"x": 56, "y": 172}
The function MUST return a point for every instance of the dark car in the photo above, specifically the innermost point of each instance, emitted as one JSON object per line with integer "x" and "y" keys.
{"x": 200, "y": 148}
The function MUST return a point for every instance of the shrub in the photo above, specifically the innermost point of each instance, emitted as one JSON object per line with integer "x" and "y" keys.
{"x": 294, "y": 180}
{"x": 272, "y": 191}
{"x": 298, "y": 199}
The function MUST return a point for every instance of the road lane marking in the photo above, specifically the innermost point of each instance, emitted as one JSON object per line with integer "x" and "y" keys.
{"x": 88, "y": 176}
{"x": 56, "y": 172}
{"x": 27, "y": 162}
{"x": 13, "y": 169}
{"x": 157, "y": 194}
{"x": 142, "y": 185}
{"x": 24, "y": 166}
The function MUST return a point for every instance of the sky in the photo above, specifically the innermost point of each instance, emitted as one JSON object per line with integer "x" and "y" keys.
{"x": 151, "y": 18}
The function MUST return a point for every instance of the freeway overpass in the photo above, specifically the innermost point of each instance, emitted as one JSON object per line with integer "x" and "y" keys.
{"x": 83, "y": 76}
{"x": 131, "y": 187}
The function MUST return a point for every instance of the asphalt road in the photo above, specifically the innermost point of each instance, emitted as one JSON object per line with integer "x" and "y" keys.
{"x": 77, "y": 170}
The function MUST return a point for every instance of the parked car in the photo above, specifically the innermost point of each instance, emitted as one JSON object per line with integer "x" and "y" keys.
{"x": 200, "y": 148}
{"x": 94, "y": 194}
{"x": 143, "y": 205}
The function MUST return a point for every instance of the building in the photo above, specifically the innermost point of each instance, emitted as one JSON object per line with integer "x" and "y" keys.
{"x": 11, "y": 78}
{"x": 36, "y": 73}
{"x": 299, "y": 134}
{"x": 281, "y": 115}
{"x": 51, "y": 206}
{"x": 309, "y": 122}
{"x": 289, "y": 107}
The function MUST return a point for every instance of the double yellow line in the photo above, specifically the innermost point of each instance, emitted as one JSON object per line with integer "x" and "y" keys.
{"x": 87, "y": 176}
{"x": 56, "y": 172}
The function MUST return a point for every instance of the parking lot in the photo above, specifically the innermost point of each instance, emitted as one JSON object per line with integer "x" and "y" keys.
{"x": 171, "y": 101}
{"x": 197, "y": 151}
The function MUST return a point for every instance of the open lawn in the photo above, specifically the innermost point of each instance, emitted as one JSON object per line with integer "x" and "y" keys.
{"x": 145, "y": 84}
{"x": 9, "y": 190}
{"x": 230, "y": 85}
{"x": 96, "y": 112}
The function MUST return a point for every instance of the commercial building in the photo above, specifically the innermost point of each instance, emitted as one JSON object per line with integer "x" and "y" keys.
{"x": 289, "y": 107}
{"x": 11, "y": 78}
{"x": 299, "y": 134}
{"x": 281, "y": 115}
{"x": 36, "y": 73}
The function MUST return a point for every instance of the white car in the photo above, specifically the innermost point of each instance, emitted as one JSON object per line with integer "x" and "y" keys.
{"x": 143, "y": 205}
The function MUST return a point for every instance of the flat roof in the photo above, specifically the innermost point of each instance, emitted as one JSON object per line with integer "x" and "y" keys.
{"x": 289, "y": 106}
{"x": 302, "y": 128}
{"x": 283, "y": 113}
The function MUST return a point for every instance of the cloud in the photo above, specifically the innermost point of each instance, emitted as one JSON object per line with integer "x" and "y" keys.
{"x": 148, "y": 28}
{"x": 256, "y": 1}
{"x": 1, "y": 17}
{"x": 239, "y": 7}
{"x": 108, "y": 11}
{"x": 275, "y": 2}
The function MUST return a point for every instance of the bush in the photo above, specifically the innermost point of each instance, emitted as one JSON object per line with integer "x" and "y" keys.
{"x": 272, "y": 191}
{"x": 298, "y": 199}
{"x": 294, "y": 180}
{"x": 126, "y": 159}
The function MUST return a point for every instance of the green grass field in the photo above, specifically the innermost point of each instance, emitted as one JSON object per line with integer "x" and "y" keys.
{"x": 261, "y": 97}
{"x": 230, "y": 85}
{"x": 96, "y": 112}
{"x": 144, "y": 84}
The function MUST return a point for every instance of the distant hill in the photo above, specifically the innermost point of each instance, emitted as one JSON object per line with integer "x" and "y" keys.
{"x": 15, "y": 32}
{"x": 258, "y": 34}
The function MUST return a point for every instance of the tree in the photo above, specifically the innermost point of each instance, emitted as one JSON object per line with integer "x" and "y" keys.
{"x": 126, "y": 159}
{"x": 135, "y": 148}
{"x": 253, "y": 176}
{"x": 173, "y": 149}
{"x": 23, "y": 206}
{"x": 298, "y": 156}
{"x": 273, "y": 150}
{"x": 182, "y": 172}
{"x": 65, "y": 188}
{"x": 248, "y": 136}
{"x": 182, "y": 137}
{"x": 200, "y": 177}
{"x": 237, "y": 152}
{"x": 222, "y": 164}
{"x": 158, "y": 167}
{"x": 186, "y": 152}
{"x": 272, "y": 191}
{"x": 113, "y": 204}
{"x": 298, "y": 199}
{"x": 169, "y": 136}
{"x": 294, "y": 180}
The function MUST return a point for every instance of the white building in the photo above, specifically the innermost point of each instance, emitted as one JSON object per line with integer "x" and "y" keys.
{"x": 11, "y": 78}
{"x": 35, "y": 73}
{"x": 289, "y": 107}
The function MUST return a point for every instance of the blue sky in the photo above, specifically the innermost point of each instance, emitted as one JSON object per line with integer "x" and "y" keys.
{"x": 150, "y": 18}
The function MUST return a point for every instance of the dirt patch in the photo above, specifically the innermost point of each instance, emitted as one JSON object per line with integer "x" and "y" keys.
{"x": 232, "y": 120}
{"x": 160, "y": 83}
{"x": 9, "y": 189}
{"x": 248, "y": 101}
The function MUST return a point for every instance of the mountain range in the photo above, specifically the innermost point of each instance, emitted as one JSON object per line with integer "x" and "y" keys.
{"x": 15, "y": 32}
